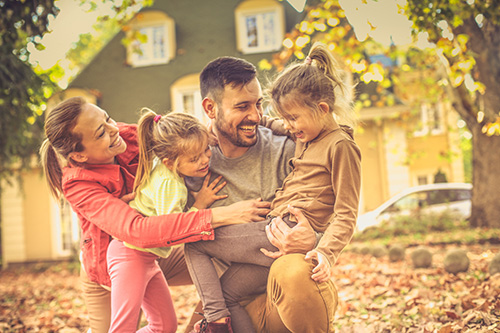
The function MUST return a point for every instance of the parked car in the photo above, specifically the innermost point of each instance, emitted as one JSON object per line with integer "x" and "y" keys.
{"x": 430, "y": 198}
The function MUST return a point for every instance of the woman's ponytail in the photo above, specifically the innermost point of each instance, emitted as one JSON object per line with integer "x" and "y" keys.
{"x": 51, "y": 168}
{"x": 60, "y": 141}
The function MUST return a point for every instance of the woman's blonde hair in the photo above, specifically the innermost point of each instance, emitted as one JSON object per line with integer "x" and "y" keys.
{"x": 319, "y": 78}
{"x": 166, "y": 136}
{"x": 60, "y": 141}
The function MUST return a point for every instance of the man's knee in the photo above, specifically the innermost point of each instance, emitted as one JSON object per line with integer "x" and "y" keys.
{"x": 291, "y": 271}
{"x": 294, "y": 294}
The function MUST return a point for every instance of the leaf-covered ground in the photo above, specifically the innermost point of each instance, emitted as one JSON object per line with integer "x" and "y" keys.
{"x": 375, "y": 295}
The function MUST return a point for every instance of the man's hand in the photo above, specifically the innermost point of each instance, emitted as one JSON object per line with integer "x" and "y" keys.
{"x": 299, "y": 239}
{"x": 322, "y": 272}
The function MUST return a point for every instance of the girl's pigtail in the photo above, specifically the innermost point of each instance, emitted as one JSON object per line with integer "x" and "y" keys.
{"x": 341, "y": 83}
{"x": 145, "y": 131}
{"x": 52, "y": 168}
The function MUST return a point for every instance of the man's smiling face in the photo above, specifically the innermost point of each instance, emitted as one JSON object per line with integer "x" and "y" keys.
{"x": 239, "y": 113}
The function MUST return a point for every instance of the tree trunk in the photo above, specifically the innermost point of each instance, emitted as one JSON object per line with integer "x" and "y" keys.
{"x": 2, "y": 264}
{"x": 486, "y": 180}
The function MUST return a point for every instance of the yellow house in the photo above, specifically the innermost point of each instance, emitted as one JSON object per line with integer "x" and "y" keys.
{"x": 399, "y": 149}
{"x": 395, "y": 155}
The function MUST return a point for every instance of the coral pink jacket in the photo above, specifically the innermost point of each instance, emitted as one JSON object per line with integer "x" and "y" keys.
{"x": 94, "y": 192}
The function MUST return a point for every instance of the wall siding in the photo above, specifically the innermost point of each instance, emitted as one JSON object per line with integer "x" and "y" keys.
{"x": 13, "y": 235}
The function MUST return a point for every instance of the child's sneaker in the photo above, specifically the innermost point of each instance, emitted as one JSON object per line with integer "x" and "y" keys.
{"x": 203, "y": 326}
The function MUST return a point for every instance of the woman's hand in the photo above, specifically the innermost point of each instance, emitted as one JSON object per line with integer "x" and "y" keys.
{"x": 299, "y": 239}
{"x": 322, "y": 272}
{"x": 207, "y": 194}
{"x": 240, "y": 212}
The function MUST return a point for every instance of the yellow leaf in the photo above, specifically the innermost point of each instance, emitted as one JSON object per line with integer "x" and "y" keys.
{"x": 304, "y": 26}
{"x": 319, "y": 26}
{"x": 302, "y": 41}
{"x": 299, "y": 55}
{"x": 458, "y": 80}
{"x": 265, "y": 65}
{"x": 288, "y": 43}
{"x": 333, "y": 21}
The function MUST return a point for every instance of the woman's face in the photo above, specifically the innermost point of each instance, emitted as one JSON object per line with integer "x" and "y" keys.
{"x": 100, "y": 137}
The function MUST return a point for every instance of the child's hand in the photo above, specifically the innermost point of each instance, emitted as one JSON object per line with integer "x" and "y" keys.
{"x": 322, "y": 272}
{"x": 207, "y": 195}
{"x": 128, "y": 197}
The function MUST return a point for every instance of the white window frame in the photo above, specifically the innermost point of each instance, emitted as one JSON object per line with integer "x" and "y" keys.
{"x": 62, "y": 211}
{"x": 150, "y": 21}
{"x": 432, "y": 120}
{"x": 426, "y": 177}
{"x": 259, "y": 8}
{"x": 188, "y": 85}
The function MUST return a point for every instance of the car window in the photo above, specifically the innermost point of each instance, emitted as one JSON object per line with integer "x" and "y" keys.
{"x": 436, "y": 197}
{"x": 409, "y": 202}
{"x": 463, "y": 195}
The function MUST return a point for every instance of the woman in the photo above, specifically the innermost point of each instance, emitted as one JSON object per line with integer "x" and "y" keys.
{"x": 99, "y": 159}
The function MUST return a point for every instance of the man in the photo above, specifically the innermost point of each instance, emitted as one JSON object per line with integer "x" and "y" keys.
{"x": 254, "y": 163}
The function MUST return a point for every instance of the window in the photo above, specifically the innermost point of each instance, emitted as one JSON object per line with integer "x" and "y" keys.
{"x": 259, "y": 26}
{"x": 66, "y": 229}
{"x": 186, "y": 96}
{"x": 152, "y": 36}
{"x": 447, "y": 196}
{"x": 431, "y": 120}
{"x": 422, "y": 180}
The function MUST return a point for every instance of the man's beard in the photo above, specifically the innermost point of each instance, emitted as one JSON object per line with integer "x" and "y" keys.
{"x": 232, "y": 136}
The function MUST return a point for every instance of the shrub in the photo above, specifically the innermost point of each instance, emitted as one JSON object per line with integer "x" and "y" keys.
{"x": 456, "y": 261}
{"x": 396, "y": 253}
{"x": 378, "y": 251}
{"x": 494, "y": 266}
{"x": 421, "y": 258}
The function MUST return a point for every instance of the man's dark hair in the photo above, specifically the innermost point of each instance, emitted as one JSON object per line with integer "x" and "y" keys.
{"x": 223, "y": 71}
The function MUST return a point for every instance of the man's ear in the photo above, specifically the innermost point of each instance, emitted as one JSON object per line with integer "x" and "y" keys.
{"x": 168, "y": 163}
{"x": 78, "y": 157}
{"x": 324, "y": 107}
{"x": 209, "y": 106}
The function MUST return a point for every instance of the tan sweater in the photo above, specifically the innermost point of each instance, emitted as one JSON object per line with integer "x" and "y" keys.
{"x": 325, "y": 184}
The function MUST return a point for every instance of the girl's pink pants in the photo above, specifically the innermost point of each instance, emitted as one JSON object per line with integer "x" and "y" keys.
{"x": 137, "y": 281}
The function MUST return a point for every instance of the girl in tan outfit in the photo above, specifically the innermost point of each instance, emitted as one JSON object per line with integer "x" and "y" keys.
{"x": 312, "y": 99}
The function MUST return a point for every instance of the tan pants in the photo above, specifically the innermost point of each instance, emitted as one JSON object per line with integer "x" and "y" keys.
{"x": 98, "y": 299}
{"x": 294, "y": 302}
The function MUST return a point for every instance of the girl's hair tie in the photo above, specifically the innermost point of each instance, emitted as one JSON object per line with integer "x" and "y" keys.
{"x": 157, "y": 118}
{"x": 308, "y": 60}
